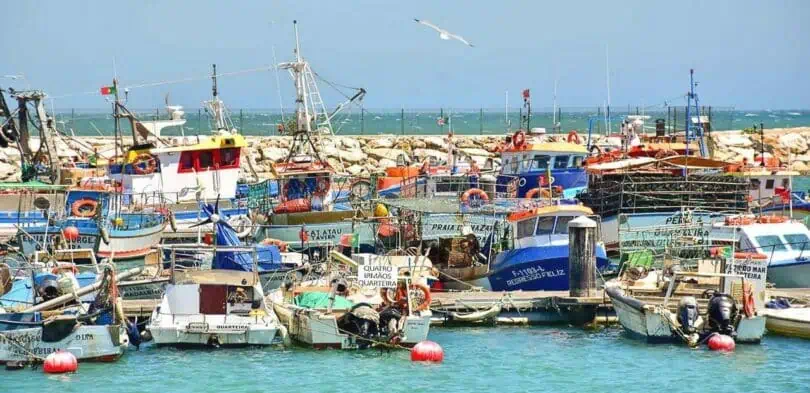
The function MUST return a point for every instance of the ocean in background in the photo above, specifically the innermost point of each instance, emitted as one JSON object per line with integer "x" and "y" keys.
{"x": 482, "y": 359}
{"x": 425, "y": 121}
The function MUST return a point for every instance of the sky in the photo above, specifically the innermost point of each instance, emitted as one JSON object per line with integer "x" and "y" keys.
{"x": 749, "y": 54}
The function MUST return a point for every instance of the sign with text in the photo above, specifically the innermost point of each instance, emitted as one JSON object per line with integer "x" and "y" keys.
{"x": 377, "y": 276}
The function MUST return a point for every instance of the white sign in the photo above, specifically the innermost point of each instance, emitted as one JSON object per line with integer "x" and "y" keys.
{"x": 377, "y": 276}
{"x": 755, "y": 272}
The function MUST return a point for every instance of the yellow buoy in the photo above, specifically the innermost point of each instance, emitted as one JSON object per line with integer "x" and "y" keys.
{"x": 118, "y": 221}
{"x": 380, "y": 210}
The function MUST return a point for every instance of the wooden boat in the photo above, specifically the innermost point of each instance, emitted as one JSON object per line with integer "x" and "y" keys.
{"x": 335, "y": 311}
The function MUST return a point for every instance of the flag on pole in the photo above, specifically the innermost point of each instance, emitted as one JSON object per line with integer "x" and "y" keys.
{"x": 441, "y": 121}
{"x": 526, "y": 95}
{"x": 107, "y": 90}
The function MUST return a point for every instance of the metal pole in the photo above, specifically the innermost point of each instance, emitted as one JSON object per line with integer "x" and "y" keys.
{"x": 199, "y": 119}
{"x": 441, "y": 122}
{"x": 481, "y": 121}
{"x": 362, "y": 121}
{"x": 241, "y": 121}
{"x": 762, "y": 142}
{"x": 402, "y": 122}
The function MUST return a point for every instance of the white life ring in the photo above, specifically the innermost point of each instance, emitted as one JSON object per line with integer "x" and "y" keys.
{"x": 242, "y": 225}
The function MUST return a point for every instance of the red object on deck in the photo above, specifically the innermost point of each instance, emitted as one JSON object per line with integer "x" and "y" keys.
{"x": 721, "y": 342}
{"x": 427, "y": 351}
{"x": 299, "y": 205}
{"x": 71, "y": 233}
{"x": 60, "y": 362}
{"x": 208, "y": 239}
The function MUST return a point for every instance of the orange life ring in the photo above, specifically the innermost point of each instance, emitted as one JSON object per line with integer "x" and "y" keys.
{"x": 282, "y": 245}
{"x": 544, "y": 193}
{"x": 149, "y": 164}
{"x": 748, "y": 300}
{"x": 749, "y": 255}
{"x": 739, "y": 220}
{"x": 465, "y": 197}
{"x": 519, "y": 139}
{"x": 401, "y": 297}
{"x": 63, "y": 266}
{"x": 79, "y": 208}
{"x": 573, "y": 137}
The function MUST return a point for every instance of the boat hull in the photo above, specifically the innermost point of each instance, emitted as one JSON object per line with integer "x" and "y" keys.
{"x": 87, "y": 343}
{"x": 790, "y": 322}
{"x": 542, "y": 268}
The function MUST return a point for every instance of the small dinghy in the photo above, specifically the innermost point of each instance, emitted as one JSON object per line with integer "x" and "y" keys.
{"x": 787, "y": 320}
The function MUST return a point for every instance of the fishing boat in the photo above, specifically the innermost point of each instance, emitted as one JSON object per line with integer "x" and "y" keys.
{"x": 688, "y": 303}
{"x": 94, "y": 220}
{"x": 535, "y": 251}
{"x": 792, "y": 321}
{"x": 339, "y": 310}
{"x": 94, "y": 330}
{"x": 223, "y": 306}
{"x": 304, "y": 215}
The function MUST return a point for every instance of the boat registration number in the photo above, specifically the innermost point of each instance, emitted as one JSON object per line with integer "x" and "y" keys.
{"x": 197, "y": 327}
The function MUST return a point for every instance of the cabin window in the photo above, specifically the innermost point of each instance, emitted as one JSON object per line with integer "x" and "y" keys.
{"x": 515, "y": 165}
{"x": 545, "y": 225}
{"x": 186, "y": 163}
{"x": 229, "y": 158}
{"x": 525, "y": 228}
{"x": 785, "y": 183}
{"x": 562, "y": 225}
{"x": 540, "y": 162}
{"x": 561, "y": 162}
{"x": 797, "y": 241}
{"x": 205, "y": 160}
{"x": 755, "y": 183}
{"x": 770, "y": 243}
{"x": 769, "y": 184}
{"x": 578, "y": 161}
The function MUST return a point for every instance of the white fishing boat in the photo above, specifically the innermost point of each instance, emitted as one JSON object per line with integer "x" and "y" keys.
{"x": 790, "y": 322}
{"x": 223, "y": 306}
{"x": 338, "y": 312}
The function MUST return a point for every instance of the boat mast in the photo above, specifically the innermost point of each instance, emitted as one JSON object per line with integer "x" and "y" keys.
{"x": 216, "y": 106}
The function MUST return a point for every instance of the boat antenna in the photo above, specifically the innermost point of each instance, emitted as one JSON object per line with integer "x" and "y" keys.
{"x": 607, "y": 81}
{"x": 214, "y": 79}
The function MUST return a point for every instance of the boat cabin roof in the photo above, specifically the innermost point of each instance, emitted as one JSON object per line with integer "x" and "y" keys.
{"x": 555, "y": 210}
{"x": 549, "y": 147}
{"x": 218, "y": 276}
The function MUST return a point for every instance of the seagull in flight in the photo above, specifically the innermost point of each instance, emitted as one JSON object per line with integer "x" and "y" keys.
{"x": 443, "y": 34}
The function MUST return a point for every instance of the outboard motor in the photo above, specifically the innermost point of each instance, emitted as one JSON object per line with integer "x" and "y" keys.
{"x": 688, "y": 314}
{"x": 363, "y": 322}
{"x": 389, "y": 321}
{"x": 722, "y": 314}
{"x": 48, "y": 289}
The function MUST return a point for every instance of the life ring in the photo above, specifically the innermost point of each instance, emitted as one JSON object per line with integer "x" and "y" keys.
{"x": 465, "y": 197}
{"x": 544, "y": 193}
{"x": 739, "y": 221}
{"x": 748, "y": 300}
{"x": 519, "y": 139}
{"x": 84, "y": 207}
{"x": 61, "y": 266}
{"x": 241, "y": 225}
{"x": 749, "y": 255}
{"x": 401, "y": 297}
{"x": 282, "y": 245}
{"x": 149, "y": 164}
{"x": 105, "y": 236}
{"x": 573, "y": 137}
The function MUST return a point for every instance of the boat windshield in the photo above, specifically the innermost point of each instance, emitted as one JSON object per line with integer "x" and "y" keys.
{"x": 561, "y": 162}
{"x": 797, "y": 241}
{"x": 525, "y": 228}
{"x": 770, "y": 243}
{"x": 545, "y": 225}
{"x": 540, "y": 162}
{"x": 562, "y": 225}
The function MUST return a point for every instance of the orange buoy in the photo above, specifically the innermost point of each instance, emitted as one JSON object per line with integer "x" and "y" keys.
{"x": 71, "y": 233}
{"x": 427, "y": 351}
{"x": 544, "y": 193}
{"x": 721, "y": 342}
{"x": 60, "y": 362}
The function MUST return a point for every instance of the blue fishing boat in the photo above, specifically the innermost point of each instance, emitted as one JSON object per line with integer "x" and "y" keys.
{"x": 535, "y": 256}
{"x": 541, "y": 167}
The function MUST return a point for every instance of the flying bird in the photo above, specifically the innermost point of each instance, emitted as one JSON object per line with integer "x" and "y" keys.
{"x": 443, "y": 34}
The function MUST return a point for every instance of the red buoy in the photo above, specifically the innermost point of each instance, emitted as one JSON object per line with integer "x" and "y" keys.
{"x": 60, "y": 362}
{"x": 721, "y": 342}
{"x": 208, "y": 239}
{"x": 71, "y": 233}
{"x": 427, "y": 351}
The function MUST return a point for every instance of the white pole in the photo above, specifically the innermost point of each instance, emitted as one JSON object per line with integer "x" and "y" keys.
{"x": 790, "y": 182}
{"x": 607, "y": 77}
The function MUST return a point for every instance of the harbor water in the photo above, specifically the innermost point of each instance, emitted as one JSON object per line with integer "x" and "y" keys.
{"x": 483, "y": 359}
{"x": 424, "y": 121}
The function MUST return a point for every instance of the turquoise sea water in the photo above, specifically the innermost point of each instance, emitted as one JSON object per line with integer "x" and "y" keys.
{"x": 424, "y": 121}
{"x": 498, "y": 359}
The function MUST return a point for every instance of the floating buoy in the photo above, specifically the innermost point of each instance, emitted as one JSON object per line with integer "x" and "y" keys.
{"x": 71, "y": 233}
{"x": 721, "y": 342}
{"x": 427, "y": 351}
{"x": 60, "y": 362}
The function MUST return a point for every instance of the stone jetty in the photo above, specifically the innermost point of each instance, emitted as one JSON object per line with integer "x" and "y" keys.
{"x": 362, "y": 155}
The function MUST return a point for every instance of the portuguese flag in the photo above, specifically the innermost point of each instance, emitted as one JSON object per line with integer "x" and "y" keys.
{"x": 107, "y": 90}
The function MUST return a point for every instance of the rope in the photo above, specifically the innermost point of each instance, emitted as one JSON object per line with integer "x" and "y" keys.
{"x": 22, "y": 347}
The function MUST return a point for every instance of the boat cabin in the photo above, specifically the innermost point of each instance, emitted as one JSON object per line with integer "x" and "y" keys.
{"x": 545, "y": 226}
{"x": 532, "y": 163}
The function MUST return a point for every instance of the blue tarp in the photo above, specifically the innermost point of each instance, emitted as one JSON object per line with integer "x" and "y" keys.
{"x": 269, "y": 257}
